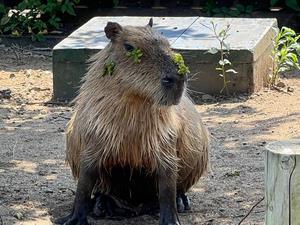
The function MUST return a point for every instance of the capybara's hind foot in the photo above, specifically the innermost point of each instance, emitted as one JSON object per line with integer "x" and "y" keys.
{"x": 104, "y": 206}
{"x": 107, "y": 206}
{"x": 183, "y": 203}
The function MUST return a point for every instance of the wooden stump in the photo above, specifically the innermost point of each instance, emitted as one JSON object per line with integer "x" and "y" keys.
{"x": 282, "y": 182}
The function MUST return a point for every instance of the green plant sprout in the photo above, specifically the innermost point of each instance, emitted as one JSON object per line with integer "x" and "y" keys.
{"x": 224, "y": 65}
{"x": 109, "y": 68}
{"x": 135, "y": 54}
{"x": 284, "y": 55}
{"x": 178, "y": 60}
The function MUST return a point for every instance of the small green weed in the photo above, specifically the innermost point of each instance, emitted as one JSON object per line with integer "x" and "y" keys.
{"x": 224, "y": 65}
{"x": 285, "y": 54}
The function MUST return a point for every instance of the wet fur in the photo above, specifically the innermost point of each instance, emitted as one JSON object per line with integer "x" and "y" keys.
{"x": 120, "y": 123}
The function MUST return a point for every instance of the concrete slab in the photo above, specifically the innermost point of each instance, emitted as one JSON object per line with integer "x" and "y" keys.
{"x": 250, "y": 41}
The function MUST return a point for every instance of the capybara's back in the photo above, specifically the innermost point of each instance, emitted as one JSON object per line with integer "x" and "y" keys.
{"x": 134, "y": 125}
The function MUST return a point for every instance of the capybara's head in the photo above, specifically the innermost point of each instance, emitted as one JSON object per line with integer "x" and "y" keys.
{"x": 145, "y": 64}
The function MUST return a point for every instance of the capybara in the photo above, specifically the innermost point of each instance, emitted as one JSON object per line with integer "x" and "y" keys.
{"x": 135, "y": 135}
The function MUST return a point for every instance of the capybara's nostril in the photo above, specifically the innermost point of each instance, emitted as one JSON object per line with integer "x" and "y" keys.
{"x": 168, "y": 81}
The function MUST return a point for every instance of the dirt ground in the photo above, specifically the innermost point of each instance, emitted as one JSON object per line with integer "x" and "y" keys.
{"x": 36, "y": 185}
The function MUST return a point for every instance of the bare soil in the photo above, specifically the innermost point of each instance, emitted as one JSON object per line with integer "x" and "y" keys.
{"x": 36, "y": 186}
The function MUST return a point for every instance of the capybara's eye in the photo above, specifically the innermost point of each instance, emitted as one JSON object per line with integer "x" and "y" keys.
{"x": 128, "y": 47}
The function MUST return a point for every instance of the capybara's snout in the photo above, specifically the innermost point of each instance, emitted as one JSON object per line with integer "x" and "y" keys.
{"x": 173, "y": 86}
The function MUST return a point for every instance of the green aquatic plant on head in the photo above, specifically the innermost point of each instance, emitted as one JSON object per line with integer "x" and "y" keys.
{"x": 109, "y": 68}
{"x": 178, "y": 60}
{"x": 136, "y": 55}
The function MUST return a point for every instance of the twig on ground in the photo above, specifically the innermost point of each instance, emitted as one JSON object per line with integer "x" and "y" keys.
{"x": 281, "y": 90}
{"x": 1, "y": 221}
{"x": 32, "y": 51}
{"x": 42, "y": 49}
{"x": 256, "y": 204}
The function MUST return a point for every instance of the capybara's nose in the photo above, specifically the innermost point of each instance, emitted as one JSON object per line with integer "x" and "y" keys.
{"x": 172, "y": 79}
{"x": 168, "y": 81}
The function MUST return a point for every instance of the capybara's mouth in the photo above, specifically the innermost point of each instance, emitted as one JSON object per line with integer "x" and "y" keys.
{"x": 172, "y": 96}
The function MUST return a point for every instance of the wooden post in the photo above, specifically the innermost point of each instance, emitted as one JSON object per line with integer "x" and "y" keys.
{"x": 282, "y": 182}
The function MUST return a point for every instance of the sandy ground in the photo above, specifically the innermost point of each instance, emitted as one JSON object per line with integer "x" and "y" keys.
{"x": 36, "y": 185}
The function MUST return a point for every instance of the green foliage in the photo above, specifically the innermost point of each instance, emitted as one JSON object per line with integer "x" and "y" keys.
{"x": 109, "y": 68}
{"x": 224, "y": 65}
{"x": 285, "y": 53}
{"x": 3, "y": 10}
{"x": 212, "y": 9}
{"x": 178, "y": 60}
{"x": 293, "y": 4}
{"x": 35, "y": 17}
{"x": 135, "y": 54}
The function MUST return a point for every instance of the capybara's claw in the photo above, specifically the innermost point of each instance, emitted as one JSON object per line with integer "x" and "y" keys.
{"x": 180, "y": 205}
{"x": 186, "y": 202}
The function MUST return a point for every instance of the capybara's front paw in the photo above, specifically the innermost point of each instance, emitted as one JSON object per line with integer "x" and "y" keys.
{"x": 176, "y": 223}
{"x": 63, "y": 220}
{"x": 169, "y": 219}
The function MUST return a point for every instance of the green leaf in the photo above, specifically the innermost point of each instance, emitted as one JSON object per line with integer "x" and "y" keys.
{"x": 216, "y": 10}
{"x": 292, "y": 56}
{"x": 136, "y": 54}
{"x": 15, "y": 33}
{"x": 283, "y": 69}
{"x": 249, "y": 9}
{"x": 116, "y": 3}
{"x": 240, "y": 7}
{"x": 212, "y": 50}
{"x": 234, "y": 13}
{"x": 5, "y": 19}
{"x": 273, "y": 2}
{"x": 178, "y": 60}
{"x": 109, "y": 68}
{"x": 293, "y": 4}
{"x": 286, "y": 31}
{"x": 222, "y": 33}
{"x": 231, "y": 71}
{"x": 227, "y": 46}
{"x": 70, "y": 9}
{"x": 224, "y": 62}
{"x": 63, "y": 8}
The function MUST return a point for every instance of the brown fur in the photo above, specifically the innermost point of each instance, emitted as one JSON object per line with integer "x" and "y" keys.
{"x": 119, "y": 120}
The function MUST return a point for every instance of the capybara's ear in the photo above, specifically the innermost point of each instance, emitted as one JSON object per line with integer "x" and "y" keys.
{"x": 112, "y": 30}
{"x": 150, "y": 24}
